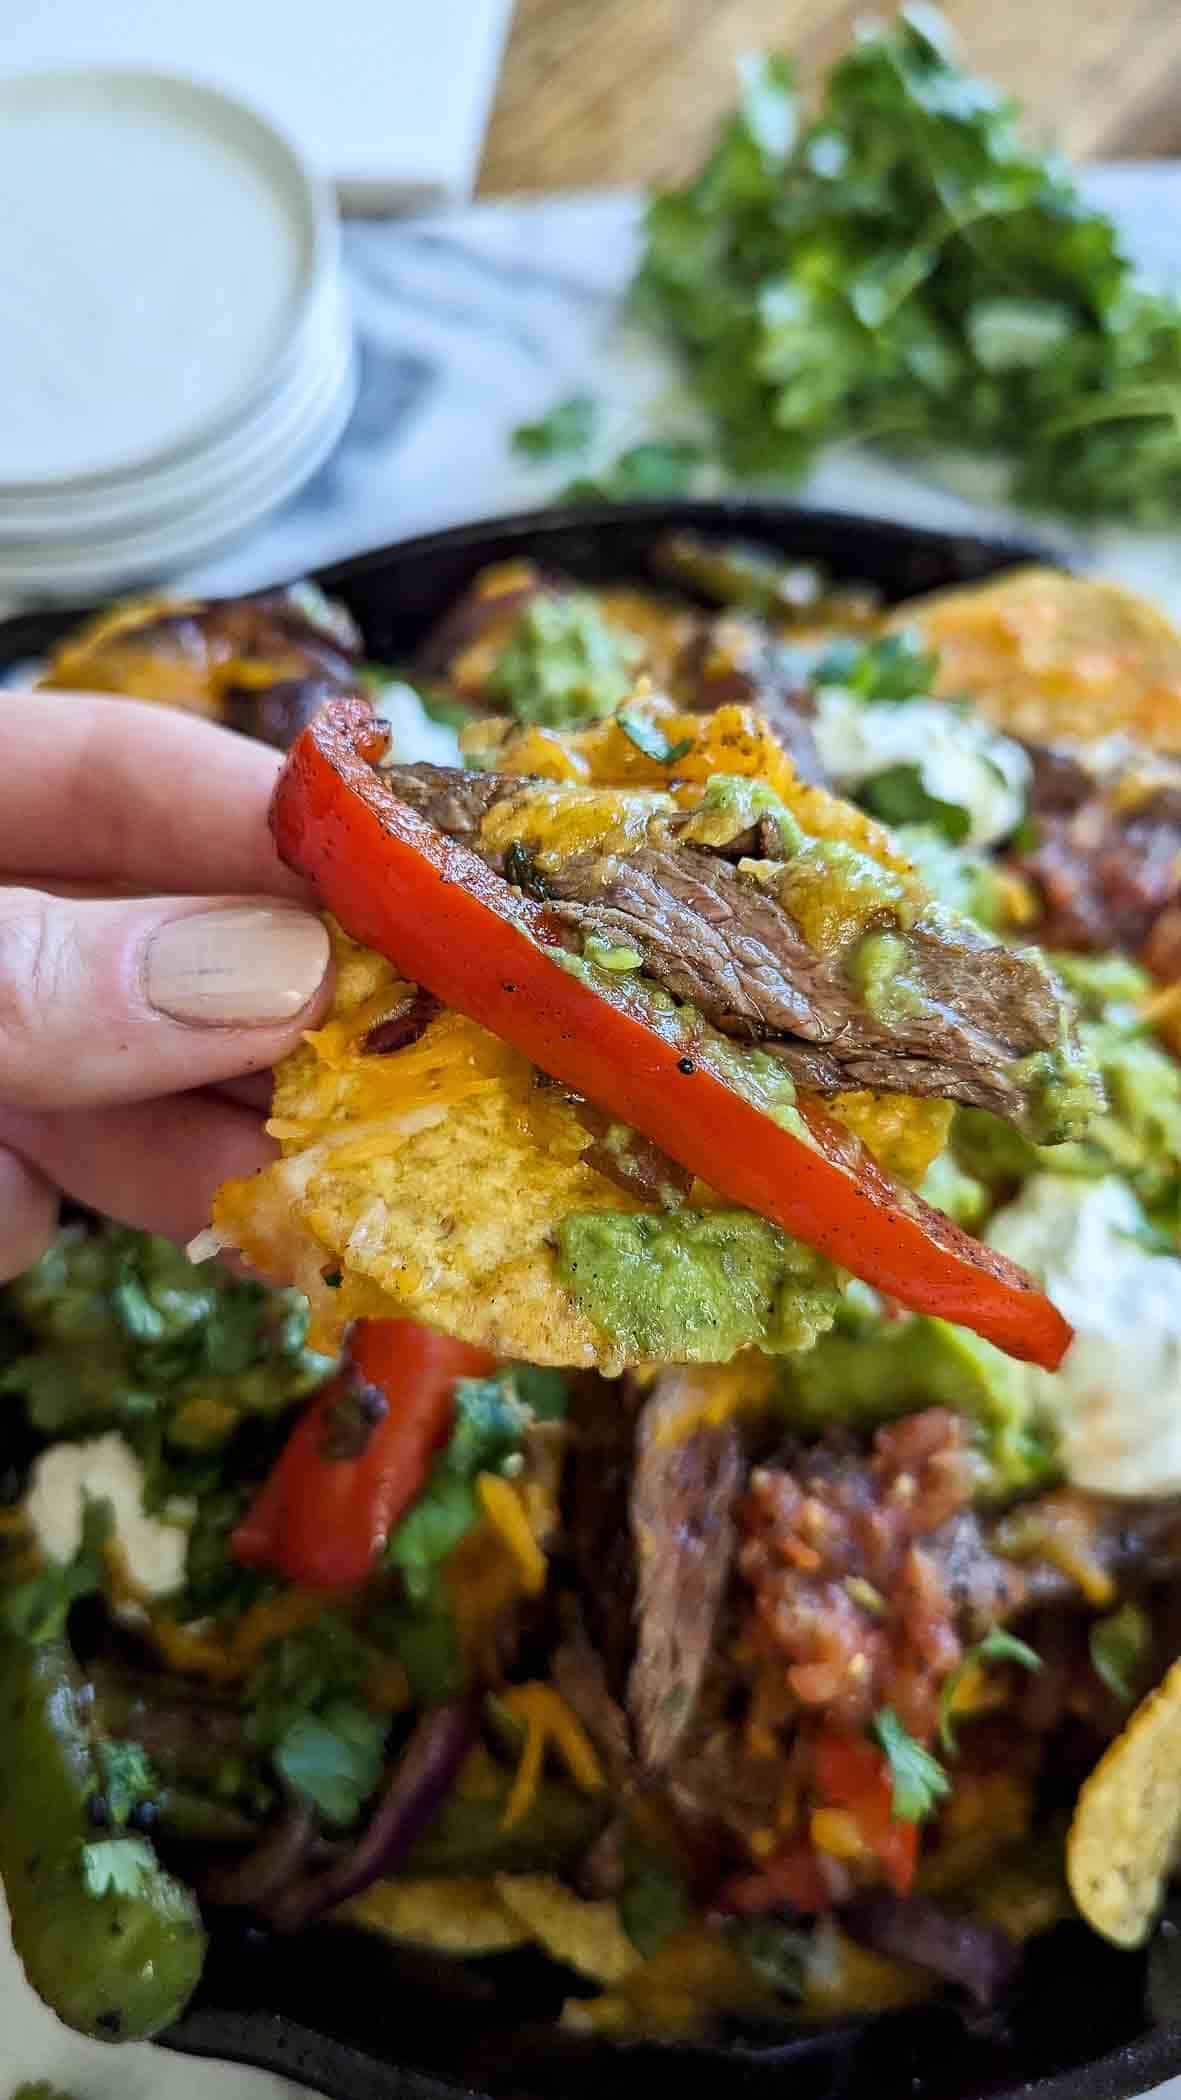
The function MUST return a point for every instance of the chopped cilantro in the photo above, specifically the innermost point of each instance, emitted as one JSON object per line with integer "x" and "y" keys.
{"x": 36, "y": 1609}
{"x": 305, "y": 1706}
{"x": 40, "y": 2089}
{"x": 565, "y": 429}
{"x": 1121, "y": 1647}
{"x": 117, "y": 1866}
{"x": 657, "y": 467}
{"x": 894, "y": 667}
{"x": 120, "y": 1328}
{"x": 902, "y": 267}
{"x": 422, "y": 1632}
{"x": 898, "y": 795}
{"x": 997, "y": 1646}
{"x": 649, "y": 738}
{"x": 333, "y": 1759}
{"x": 545, "y": 1393}
{"x": 489, "y": 1423}
{"x": 919, "y": 1779}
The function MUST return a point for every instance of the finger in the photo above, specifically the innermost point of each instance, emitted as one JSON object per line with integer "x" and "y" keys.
{"x": 156, "y": 1165}
{"x": 115, "y": 1001}
{"x": 254, "y": 1091}
{"x": 95, "y": 788}
{"x": 28, "y": 1215}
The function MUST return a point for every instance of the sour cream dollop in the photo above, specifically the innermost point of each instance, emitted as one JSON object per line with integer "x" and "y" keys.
{"x": 1116, "y": 1399}
{"x": 959, "y": 758}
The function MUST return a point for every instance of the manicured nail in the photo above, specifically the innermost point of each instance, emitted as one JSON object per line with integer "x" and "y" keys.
{"x": 243, "y": 966}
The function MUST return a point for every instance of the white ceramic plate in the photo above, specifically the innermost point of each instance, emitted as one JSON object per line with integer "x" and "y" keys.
{"x": 160, "y": 246}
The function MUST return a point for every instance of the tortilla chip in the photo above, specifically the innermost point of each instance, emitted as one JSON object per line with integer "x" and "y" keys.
{"x": 1053, "y": 658}
{"x": 1126, "y": 1835}
{"x": 732, "y": 740}
{"x": 694, "y": 1979}
{"x": 585, "y": 1936}
{"x": 430, "y": 1183}
{"x": 450, "y": 1916}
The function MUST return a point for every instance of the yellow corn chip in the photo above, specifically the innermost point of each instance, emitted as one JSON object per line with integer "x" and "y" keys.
{"x": 450, "y": 1916}
{"x": 586, "y": 1936}
{"x": 1052, "y": 657}
{"x": 1126, "y": 1835}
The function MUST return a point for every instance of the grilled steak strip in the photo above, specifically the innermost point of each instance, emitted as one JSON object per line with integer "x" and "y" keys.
{"x": 730, "y": 948}
{"x": 649, "y": 1524}
{"x": 683, "y": 1493}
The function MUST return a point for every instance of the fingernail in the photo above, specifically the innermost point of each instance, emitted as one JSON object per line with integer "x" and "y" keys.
{"x": 243, "y": 966}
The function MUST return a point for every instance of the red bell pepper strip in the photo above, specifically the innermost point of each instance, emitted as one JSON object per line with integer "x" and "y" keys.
{"x": 322, "y": 1520}
{"x": 441, "y": 916}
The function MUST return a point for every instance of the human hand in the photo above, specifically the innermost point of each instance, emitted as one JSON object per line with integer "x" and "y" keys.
{"x": 153, "y": 952}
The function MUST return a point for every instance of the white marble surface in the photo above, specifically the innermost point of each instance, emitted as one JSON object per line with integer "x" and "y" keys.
{"x": 470, "y": 322}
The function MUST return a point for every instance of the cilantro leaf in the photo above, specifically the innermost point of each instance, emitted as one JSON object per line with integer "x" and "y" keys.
{"x": 997, "y": 1646}
{"x": 36, "y": 1609}
{"x": 117, "y": 1866}
{"x": 490, "y": 1421}
{"x": 304, "y": 1672}
{"x": 333, "y": 1759}
{"x": 649, "y": 738}
{"x": 423, "y": 1634}
{"x": 566, "y": 428}
{"x": 429, "y": 1533}
{"x": 894, "y": 667}
{"x": 898, "y": 795}
{"x": 546, "y": 1394}
{"x": 659, "y": 467}
{"x": 40, "y": 2089}
{"x": 919, "y": 1779}
{"x": 1121, "y": 1646}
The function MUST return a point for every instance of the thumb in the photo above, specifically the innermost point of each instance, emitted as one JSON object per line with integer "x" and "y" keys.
{"x": 119, "y": 1000}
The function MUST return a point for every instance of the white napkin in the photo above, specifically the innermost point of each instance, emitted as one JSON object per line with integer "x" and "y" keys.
{"x": 389, "y": 98}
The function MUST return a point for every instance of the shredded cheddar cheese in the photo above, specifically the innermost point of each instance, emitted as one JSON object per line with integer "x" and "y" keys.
{"x": 549, "y": 1723}
{"x": 227, "y": 1657}
{"x": 505, "y": 1512}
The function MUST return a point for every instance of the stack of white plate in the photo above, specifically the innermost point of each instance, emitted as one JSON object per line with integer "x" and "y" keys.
{"x": 176, "y": 357}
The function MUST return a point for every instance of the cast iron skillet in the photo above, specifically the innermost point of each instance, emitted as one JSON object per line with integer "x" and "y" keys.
{"x": 338, "y": 2010}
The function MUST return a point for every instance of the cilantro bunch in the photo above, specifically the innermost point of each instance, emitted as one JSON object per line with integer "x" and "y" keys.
{"x": 903, "y": 268}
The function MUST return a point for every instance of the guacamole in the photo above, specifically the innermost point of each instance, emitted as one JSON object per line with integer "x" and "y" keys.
{"x": 562, "y": 663}
{"x": 1137, "y": 1135}
{"x": 900, "y": 1366}
{"x": 696, "y": 1286}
